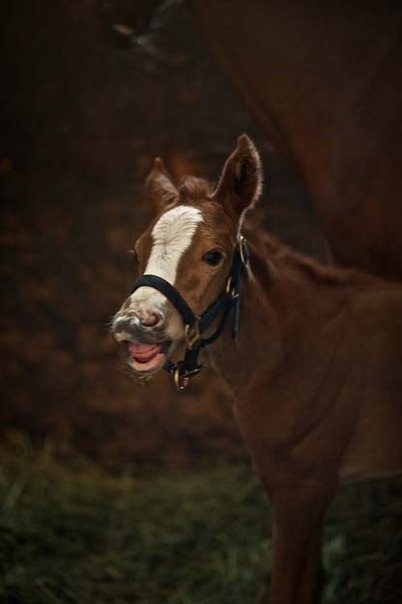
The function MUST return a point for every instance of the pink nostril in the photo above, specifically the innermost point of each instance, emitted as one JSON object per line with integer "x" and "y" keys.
{"x": 150, "y": 320}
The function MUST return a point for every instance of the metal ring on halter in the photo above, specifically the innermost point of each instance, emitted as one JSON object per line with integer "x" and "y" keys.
{"x": 180, "y": 381}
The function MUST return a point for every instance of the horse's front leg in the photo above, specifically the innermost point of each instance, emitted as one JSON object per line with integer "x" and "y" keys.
{"x": 299, "y": 513}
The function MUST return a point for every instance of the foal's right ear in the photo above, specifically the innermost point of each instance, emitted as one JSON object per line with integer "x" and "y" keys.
{"x": 159, "y": 187}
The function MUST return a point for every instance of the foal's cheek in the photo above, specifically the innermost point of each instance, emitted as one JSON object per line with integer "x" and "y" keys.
{"x": 174, "y": 329}
{"x": 207, "y": 291}
{"x": 191, "y": 287}
{"x": 192, "y": 283}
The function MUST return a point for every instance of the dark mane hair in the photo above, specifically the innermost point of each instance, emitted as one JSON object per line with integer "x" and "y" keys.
{"x": 279, "y": 254}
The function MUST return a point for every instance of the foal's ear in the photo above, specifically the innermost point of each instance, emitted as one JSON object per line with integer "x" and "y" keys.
{"x": 241, "y": 179}
{"x": 159, "y": 187}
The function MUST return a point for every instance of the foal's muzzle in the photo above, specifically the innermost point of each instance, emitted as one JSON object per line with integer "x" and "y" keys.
{"x": 144, "y": 342}
{"x": 130, "y": 327}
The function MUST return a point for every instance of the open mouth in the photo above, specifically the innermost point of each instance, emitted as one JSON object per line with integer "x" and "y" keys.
{"x": 147, "y": 357}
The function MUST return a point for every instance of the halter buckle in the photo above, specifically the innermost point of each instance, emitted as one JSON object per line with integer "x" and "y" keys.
{"x": 180, "y": 381}
{"x": 192, "y": 334}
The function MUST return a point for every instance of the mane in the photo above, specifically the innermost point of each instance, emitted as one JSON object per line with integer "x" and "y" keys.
{"x": 280, "y": 256}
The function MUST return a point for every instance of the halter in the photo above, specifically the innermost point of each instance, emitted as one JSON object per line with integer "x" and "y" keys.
{"x": 196, "y": 325}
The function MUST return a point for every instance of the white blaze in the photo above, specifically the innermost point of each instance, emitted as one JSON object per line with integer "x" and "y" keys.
{"x": 172, "y": 236}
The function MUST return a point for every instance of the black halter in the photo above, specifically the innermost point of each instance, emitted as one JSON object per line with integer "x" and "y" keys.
{"x": 195, "y": 325}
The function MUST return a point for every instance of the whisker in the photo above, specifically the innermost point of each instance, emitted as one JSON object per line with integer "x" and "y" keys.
{"x": 108, "y": 325}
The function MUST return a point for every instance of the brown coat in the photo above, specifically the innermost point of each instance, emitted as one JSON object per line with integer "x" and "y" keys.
{"x": 316, "y": 369}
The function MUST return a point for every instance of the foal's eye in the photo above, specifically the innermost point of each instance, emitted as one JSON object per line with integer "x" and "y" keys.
{"x": 213, "y": 257}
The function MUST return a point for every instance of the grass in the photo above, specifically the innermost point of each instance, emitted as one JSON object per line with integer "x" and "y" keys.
{"x": 196, "y": 538}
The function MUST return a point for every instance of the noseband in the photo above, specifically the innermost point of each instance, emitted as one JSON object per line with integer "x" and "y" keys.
{"x": 196, "y": 325}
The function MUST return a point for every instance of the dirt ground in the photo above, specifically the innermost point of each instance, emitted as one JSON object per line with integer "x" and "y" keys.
{"x": 82, "y": 115}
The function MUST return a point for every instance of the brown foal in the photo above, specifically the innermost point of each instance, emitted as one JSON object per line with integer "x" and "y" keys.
{"x": 315, "y": 370}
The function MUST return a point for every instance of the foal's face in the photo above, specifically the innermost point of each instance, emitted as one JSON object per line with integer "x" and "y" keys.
{"x": 188, "y": 247}
{"x": 190, "y": 244}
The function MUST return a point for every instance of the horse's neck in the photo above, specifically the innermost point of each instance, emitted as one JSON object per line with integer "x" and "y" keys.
{"x": 286, "y": 301}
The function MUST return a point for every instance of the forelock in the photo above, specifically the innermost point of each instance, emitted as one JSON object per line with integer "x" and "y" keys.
{"x": 194, "y": 189}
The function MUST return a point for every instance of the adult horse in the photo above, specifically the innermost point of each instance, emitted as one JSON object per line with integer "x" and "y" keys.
{"x": 314, "y": 369}
{"x": 325, "y": 81}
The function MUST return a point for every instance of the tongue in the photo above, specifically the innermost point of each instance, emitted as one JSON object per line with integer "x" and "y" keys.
{"x": 142, "y": 348}
{"x": 143, "y": 352}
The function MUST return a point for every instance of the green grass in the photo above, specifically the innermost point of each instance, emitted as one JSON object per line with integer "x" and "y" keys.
{"x": 192, "y": 538}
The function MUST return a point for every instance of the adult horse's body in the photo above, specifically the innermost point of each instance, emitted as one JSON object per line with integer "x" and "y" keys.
{"x": 325, "y": 81}
{"x": 315, "y": 371}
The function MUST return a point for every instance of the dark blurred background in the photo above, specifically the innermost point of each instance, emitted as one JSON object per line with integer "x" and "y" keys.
{"x": 82, "y": 115}
{"x": 83, "y": 112}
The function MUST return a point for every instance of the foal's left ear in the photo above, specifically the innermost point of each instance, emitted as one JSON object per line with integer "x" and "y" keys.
{"x": 159, "y": 187}
{"x": 241, "y": 179}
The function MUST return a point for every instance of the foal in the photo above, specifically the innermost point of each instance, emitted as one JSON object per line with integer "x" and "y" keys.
{"x": 314, "y": 369}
